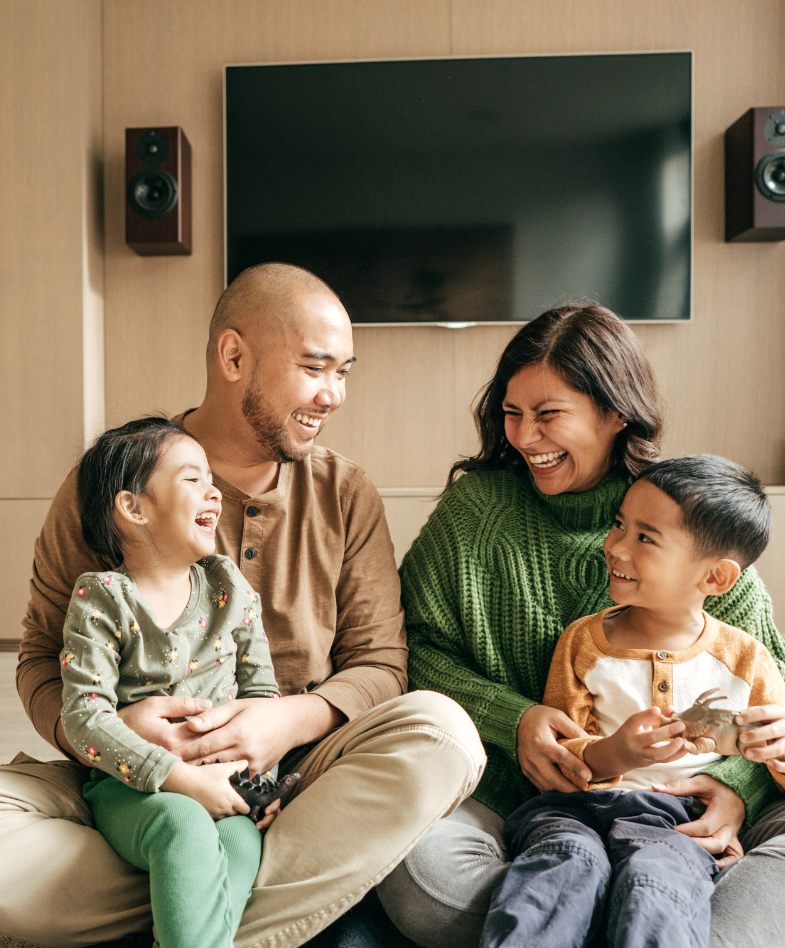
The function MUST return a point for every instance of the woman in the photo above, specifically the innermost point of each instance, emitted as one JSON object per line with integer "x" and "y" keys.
{"x": 510, "y": 557}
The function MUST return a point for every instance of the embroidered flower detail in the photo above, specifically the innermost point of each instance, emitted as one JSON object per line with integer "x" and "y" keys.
{"x": 66, "y": 660}
{"x": 96, "y": 679}
{"x": 92, "y": 696}
{"x": 246, "y": 621}
{"x": 95, "y": 615}
{"x": 230, "y": 697}
{"x": 203, "y": 623}
{"x": 81, "y": 591}
{"x": 244, "y": 658}
{"x": 251, "y": 595}
{"x": 222, "y": 598}
{"x": 192, "y": 666}
{"x": 106, "y": 580}
{"x": 92, "y": 754}
{"x": 124, "y": 768}
{"x": 172, "y": 654}
{"x": 134, "y": 626}
{"x": 218, "y": 644}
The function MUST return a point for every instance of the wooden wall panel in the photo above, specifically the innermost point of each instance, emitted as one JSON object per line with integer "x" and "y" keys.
{"x": 20, "y": 524}
{"x": 42, "y": 71}
{"x": 406, "y": 418}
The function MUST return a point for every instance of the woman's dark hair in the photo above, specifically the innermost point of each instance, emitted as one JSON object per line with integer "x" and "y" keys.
{"x": 121, "y": 459}
{"x": 598, "y": 355}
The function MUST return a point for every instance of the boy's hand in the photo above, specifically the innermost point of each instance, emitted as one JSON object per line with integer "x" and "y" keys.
{"x": 635, "y": 745}
{"x": 209, "y": 786}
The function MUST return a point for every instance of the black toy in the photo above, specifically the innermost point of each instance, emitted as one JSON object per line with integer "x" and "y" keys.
{"x": 260, "y": 791}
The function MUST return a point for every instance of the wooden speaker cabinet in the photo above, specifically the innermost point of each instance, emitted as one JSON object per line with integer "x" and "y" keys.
{"x": 158, "y": 191}
{"x": 755, "y": 176}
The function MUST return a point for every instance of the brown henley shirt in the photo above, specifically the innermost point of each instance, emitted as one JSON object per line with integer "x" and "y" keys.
{"x": 316, "y": 548}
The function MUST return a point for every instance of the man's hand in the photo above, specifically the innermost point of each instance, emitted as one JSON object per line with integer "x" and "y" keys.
{"x": 773, "y": 731}
{"x": 270, "y": 812}
{"x": 539, "y": 752}
{"x": 154, "y": 719}
{"x": 716, "y": 831}
{"x": 209, "y": 786}
{"x": 642, "y": 740}
{"x": 259, "y": 730}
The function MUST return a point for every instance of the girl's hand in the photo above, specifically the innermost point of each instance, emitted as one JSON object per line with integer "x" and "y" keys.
{"x": 209, "y": 786}
{"x": 270, "y": 812}
{"x": 539, "y": 752}
{"x": 773, "y": 754}
{"x": 717, "y": 830}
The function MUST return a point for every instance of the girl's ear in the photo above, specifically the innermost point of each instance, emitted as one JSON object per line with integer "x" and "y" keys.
{"x": 721, "y": 577}
{"x": 127, "y": 506}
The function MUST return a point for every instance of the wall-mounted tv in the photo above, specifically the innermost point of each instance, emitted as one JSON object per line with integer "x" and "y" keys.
{"x": 465, "y": 191}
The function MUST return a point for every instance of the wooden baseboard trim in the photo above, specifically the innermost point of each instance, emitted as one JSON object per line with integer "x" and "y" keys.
{"x": 9, "y": 645}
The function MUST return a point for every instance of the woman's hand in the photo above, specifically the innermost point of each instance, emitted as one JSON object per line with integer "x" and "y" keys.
{"x": 773, "y": 753}
{"x": 539, "y": 752}
{"x": 159, "y": 719}
{"x": 717, "y": 830}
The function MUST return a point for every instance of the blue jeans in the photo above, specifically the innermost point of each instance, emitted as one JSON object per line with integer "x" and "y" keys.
{"x": 578, "y": 855}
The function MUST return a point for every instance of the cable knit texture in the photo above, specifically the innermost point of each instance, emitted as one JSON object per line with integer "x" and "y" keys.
{"x": 496, "y": 575}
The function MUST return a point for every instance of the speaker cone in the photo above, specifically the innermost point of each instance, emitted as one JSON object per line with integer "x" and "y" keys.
{"x": 154, "y": 193}
{"x": 770, "y": 176}
{"x": 152, "y": 148}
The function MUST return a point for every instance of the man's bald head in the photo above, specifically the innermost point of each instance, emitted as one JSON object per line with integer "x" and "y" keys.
{"x": 266, "y": 301}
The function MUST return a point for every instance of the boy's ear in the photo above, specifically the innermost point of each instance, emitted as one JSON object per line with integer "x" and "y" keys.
{"x": 127, "y": 506}
{"x": 720, "y": 578}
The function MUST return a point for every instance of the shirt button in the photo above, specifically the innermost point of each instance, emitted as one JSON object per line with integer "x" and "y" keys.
{"x": 663, "y": 685}
{"x": 662, "y": 656}
{"x": 252, "y": 511}
{"x": 250, "y": 553}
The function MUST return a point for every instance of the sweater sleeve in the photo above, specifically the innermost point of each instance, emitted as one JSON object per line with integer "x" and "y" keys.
{"x": 436, "y": 593}
{"x": 91, "y": 654}
{"x": 748, "y": 606}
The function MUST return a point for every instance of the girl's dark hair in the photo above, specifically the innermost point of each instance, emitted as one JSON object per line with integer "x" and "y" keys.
{"x": 598, "y": 355}
{"x": 121, "y": 459}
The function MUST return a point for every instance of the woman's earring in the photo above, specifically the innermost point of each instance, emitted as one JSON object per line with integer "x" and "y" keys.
{"x": 624, "y": 424}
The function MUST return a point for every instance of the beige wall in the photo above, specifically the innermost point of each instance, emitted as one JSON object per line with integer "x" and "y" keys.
{"x": 51, "y": 265}
{"x": 407, "y": 415}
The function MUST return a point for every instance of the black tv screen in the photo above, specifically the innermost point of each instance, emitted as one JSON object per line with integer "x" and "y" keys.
{"x": 468, "y": 191}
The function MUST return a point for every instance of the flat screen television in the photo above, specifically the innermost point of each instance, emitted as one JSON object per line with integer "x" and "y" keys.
{"x": 466, "y": 191}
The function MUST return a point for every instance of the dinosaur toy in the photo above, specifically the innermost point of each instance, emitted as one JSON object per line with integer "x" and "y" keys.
{"x": 260, "y": 791}
{"x": 712, "y": 730}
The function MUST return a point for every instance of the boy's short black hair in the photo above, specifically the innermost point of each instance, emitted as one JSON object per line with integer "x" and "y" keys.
{"x": 121, "y": 459}
{"x": 725, "y": 509}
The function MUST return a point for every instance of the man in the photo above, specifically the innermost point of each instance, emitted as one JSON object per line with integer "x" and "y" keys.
{"x": 307, "y": 528}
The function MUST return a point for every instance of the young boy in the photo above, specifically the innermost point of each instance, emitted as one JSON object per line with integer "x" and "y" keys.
{"x": 685, "y": 531}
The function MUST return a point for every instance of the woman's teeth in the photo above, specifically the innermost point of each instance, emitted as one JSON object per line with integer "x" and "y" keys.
{"x": 307, "y": 420}
{"x": 207, "y": 520}
{"x": 620, "y": 575}
{"x": 544, "y": 461}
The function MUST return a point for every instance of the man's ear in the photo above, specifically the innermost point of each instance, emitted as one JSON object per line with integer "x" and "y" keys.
{"x": 720, "y": 578}
{"x": 127, "y": 506}
{"x": 230, "y": 352}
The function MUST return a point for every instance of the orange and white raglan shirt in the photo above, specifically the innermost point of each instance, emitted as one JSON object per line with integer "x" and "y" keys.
{"x": 598, "y": 687}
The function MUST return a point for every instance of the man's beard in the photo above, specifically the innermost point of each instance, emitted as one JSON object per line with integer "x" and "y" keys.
{"x": 271, "y": 435}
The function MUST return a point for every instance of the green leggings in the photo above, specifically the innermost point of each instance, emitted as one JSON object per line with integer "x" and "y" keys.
{"x": 201, "y": 871}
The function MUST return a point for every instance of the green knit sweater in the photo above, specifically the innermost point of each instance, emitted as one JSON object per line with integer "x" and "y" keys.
{"x": 496, "y": 575}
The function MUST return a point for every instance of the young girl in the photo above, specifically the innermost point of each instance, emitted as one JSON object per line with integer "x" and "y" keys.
{"x": 163, "y": 624}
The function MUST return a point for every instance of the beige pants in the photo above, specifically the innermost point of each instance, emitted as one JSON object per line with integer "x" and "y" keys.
{"x": 368, "y": 792}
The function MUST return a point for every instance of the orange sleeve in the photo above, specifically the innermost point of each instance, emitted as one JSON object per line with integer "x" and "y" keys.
{"x": 575, "y": 655}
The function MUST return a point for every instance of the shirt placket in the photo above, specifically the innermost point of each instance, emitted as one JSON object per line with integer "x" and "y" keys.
{"x": 662, "y": 679}
{"x": 251, "y": 542}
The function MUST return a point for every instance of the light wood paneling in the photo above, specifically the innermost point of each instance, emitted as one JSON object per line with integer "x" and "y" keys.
{"x": 18, "y": 733}
{"x": 43, "y": 90}
{"x": 407, "y": 418}
{"x": 20, "y": 524}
